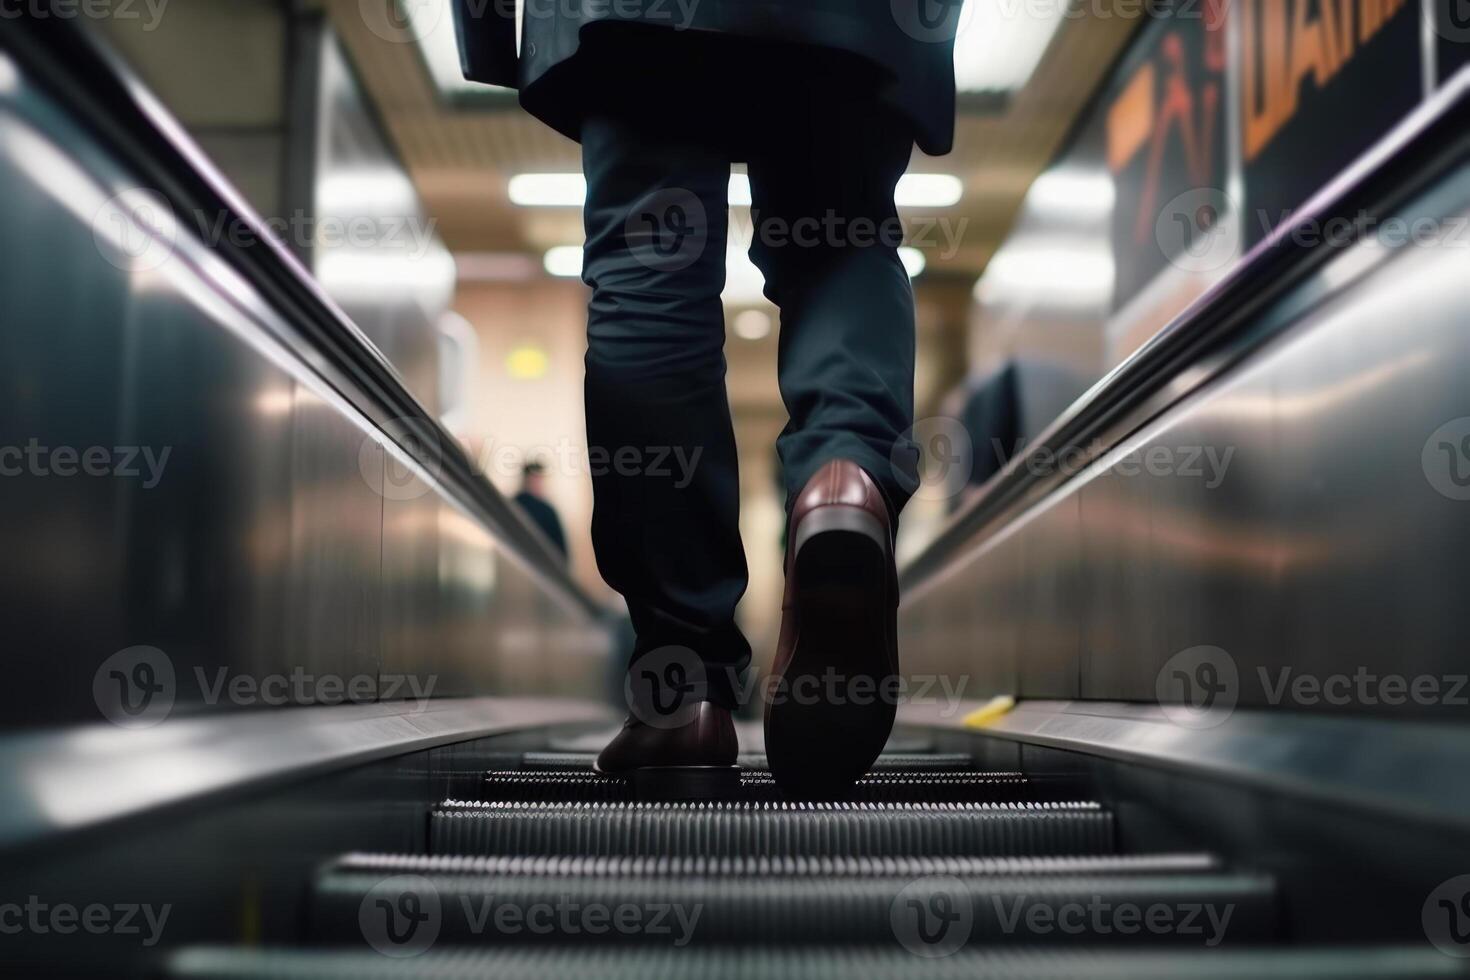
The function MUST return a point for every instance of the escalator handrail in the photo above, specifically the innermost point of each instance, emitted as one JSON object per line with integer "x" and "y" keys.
{"x": 109, "y": 100}
{"x": 1423, "y": 145}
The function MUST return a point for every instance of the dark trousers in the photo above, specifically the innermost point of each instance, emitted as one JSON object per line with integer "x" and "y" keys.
{"x": 825, "y": 234}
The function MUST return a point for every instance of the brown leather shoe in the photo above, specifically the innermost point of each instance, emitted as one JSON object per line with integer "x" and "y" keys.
{"x": 833, "y": 695}
{"x": 692, "y": 760}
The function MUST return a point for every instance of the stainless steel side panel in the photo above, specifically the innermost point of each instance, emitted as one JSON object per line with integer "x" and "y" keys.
{"x": 241, "y": 524}
{"x": 1299, "y": 513}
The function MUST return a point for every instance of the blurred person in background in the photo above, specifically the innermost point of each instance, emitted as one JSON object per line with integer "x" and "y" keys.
{"x": 532, "y": 500}
{"x": 824, "y": 101}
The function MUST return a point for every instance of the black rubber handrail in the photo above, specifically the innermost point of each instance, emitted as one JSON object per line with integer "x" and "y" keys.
{"x": 103, "y": 94}
{"x": 1429, "y": 141}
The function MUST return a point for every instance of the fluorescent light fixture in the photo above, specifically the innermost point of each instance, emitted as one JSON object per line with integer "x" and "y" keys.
{"x": 739, "y": 192}
{"x": 1000, "y": 42}
{"x": 913, "y": 260}
{"x": 1049, "y": 271}
{"x": 928, "y": 191}
{"x": 752, "y": 324}
{"x": 569, "y": 190}
{"x": 1072, "y": 194}
{"x": 430, "y": 22}
{"x": 548, "y": 190}
{"x": 563, "y": 260}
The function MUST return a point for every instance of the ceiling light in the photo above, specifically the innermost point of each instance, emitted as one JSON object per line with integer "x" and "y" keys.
{"x": 913, "y": 260}
{"x": 1073, "y": 194}
{"x": 564, "y": 260}
{"x": 548, "y": 190}
{"x": 928, "y": 191}
{"x": 432, "y": 26}
{"x": 739, "y": 192}
{"x": 1051, "y": 272}
{"x": 752, "y": 324}
{"x": 999, "y": 45}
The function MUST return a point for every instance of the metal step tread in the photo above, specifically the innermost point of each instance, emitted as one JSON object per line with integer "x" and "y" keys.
{"x": 770, "y": 828}
{"x": 820, "y": 963}
{"x": 834, "y": 866}
{"x": 563, "y": 785}
{"x": 1190, "y": 909}
{"x": 956, "y": 761}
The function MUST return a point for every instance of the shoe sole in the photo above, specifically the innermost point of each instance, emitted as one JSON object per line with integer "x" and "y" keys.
{"x": 818, "y": 745}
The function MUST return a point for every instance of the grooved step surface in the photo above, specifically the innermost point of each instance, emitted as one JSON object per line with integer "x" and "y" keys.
{"x": 839, "y": 866}
{"x": 1203, "y": 910}
{"x": 899, "y": 786}
{"x": 819, "y": 963}
{"x": 936, "y": 761}
{"x": 770, "y": 829}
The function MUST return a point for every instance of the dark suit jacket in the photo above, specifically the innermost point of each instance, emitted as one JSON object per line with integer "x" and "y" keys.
{"x": 748, "y": 50}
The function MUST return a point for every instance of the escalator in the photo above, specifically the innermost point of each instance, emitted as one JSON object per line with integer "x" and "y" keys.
{"x": 1084, "y": 833}
{"x": 934, "y": 867}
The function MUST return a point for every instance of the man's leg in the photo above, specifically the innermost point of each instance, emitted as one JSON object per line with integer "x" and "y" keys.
{"x": 826, "y": 235}
{"x": 665, "y": 522}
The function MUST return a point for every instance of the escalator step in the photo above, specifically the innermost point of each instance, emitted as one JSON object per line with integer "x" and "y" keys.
{"x": 845, "y": 899}
{"x": 766, "y": 829}
{"x": 1419, "y": 962}
{"x": 1191, "y": 909}
{"x": 757, "y": 760}
{"x": 558, "y": 786}
{"x": 835, "y": 866}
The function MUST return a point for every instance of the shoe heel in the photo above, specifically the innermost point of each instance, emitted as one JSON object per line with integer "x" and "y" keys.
{"x": 668, "y": 784}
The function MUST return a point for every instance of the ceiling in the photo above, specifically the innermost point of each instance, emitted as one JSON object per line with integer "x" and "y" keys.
{"x": 462, "y": 157}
